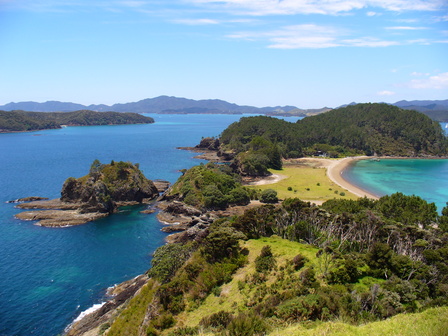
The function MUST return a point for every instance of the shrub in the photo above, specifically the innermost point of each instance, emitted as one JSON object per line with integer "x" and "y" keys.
{"x": 299, "y": 261}
{"x": 269, "y": 196}
{"x": 289, "y": 188}
{"x": 164, "y": 321}
{"x": 246, "y": 325}
{"x": 239, "y": 196}
{"x": 219, "y": 320}
{"x": 185, "y": 331}
{"x": 265, "y": 261}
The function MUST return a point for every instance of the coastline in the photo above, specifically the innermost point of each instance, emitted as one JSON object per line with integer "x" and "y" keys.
{"x": 335, "y": 170}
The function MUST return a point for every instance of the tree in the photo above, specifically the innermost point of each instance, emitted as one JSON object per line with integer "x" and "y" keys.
{"x": 269, "y": 196}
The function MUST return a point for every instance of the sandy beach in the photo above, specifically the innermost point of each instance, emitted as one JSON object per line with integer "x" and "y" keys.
{"x": 334, "y": 169}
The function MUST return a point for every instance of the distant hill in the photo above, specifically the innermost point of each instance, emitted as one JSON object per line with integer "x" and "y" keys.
{"x": 19, "y": 121}
{"x": 162, "y": 104}
{"x": 435, "y": 109}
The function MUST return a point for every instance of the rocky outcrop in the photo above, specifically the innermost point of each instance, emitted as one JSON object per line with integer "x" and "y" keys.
{"x": 209, "y": 143}
{"x": 120, "y": 295}
{"x": 96, "y": 195}
{"x": 28, "y": 199}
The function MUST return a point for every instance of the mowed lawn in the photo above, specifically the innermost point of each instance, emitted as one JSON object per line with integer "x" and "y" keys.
{"x": 307, "y": 183}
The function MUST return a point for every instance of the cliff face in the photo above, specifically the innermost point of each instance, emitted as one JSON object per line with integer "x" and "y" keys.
{"x": 96, "y": 195}
{"x": 107, "y": 186}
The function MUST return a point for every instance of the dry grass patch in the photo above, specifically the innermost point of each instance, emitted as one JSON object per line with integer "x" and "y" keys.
{"x": 306, "y": 182}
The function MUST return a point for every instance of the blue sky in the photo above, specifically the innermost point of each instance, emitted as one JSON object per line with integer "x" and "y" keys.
{"x": 306, "y": 53}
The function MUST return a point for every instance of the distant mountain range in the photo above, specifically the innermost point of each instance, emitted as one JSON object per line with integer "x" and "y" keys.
{"x": 436, "y": 109}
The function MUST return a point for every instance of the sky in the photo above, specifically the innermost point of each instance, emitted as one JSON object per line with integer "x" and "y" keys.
{"x": 305, "y": 53}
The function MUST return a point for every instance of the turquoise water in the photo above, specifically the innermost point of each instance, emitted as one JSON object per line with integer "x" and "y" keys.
{"x": 49, "y": 276}
{"x": 425, "y": 178}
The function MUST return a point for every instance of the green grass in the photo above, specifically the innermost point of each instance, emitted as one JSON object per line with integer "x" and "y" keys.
{"x": 232, "y": 299}
{"x": 129, "y": 321}
{"x": 431, "y": 322}
{"x": 307, "y": 183}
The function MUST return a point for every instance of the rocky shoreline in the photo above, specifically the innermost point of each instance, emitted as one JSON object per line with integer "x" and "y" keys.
{"x": 96, "y": 195}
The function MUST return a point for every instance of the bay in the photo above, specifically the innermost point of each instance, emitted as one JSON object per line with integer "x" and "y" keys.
{"x": 427, "y": 178}
{"x": 49, "y": 276}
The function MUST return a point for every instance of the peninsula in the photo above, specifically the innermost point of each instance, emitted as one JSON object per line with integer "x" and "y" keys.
{"x": 22, "y": 121}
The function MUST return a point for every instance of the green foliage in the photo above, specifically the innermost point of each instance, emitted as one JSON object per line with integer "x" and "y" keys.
{"x": 210, "y": 186}
{"x": 222, "y": 242}
{"x": 167, "y": 259}
{"x": 269, "y": 196}
{"x": 219, "y": 320}
{"x": 184, "y": 331}
{"x": 265, "y": 262}
{"x": 261, "y": 142}
{"x": 410, "y": 210}
{"x": 246, "y": 324}
{"x": 163, "y": 321}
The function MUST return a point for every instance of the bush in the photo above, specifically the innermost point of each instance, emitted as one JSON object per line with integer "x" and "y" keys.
{"x": 164, "y": 321}
{"x": 219, "y": 320}
{"x": 269, "y": 196}
{"x": 239, "y": 196}
{"x": 265, "y": 261}
{"x": 246, "y": 325}
{"x": 185, "y": 331}
{"x": 299, "y": 261}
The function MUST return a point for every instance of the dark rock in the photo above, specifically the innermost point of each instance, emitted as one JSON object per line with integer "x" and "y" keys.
{"x": 28, "y": 199}
{"x": 209, "y": 143}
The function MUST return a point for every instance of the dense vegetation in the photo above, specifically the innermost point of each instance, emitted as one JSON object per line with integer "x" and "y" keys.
{"x": 210, "y": 186}
{"x": 16, "y": 121}
{"x": 107, "y": 185}
{"x": 346, "y": 261}
{"x": 260, "y": 142}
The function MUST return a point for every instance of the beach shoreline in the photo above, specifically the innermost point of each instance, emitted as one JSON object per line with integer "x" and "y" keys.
{"x": 335, "y": 173}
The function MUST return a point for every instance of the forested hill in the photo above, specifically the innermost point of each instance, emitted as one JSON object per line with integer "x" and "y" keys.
{"x": 375, "y": 128}
{"x": 363, "y": 129}
{"x": 17, "y": 121}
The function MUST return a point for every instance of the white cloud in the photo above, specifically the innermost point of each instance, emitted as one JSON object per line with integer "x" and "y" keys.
{"x": 419, "y": 74}
{"x": 385, "y": 93}
{"x": 310, "y": 36}
{"x": 439, "y": 81}
{"x": 289, "y": 7}
{"x": 371, "y": 13}
{"x": 405, "y": 28}
{"x": 306, "y": 36}
{"x": 369, "y": 42}
{"x": 196, "y": 22}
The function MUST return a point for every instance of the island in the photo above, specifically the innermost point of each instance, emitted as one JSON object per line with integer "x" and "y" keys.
{"x": 95, "y": 195}
{"x": 21, "y": 121}
{"x": 249, "y": 263}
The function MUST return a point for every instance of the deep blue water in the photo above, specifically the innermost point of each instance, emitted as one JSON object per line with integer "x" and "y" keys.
{"x": 48, "y": 276}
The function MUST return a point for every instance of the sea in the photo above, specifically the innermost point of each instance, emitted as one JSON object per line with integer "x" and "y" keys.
{"x": 49, "y": 276}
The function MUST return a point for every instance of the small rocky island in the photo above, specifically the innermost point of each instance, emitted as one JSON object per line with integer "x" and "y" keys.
{"x": 96, "y": 195}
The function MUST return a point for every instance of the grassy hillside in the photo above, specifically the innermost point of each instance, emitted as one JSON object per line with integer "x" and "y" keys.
{"x": 284, "y": 269}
